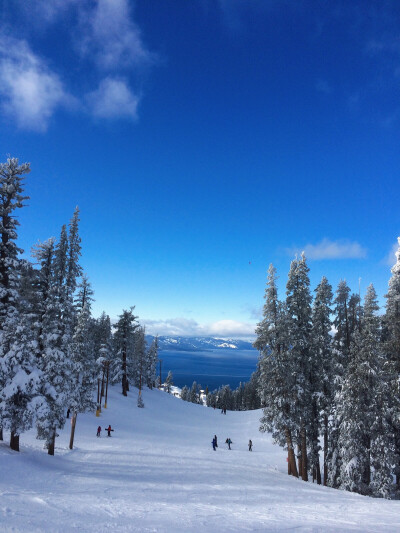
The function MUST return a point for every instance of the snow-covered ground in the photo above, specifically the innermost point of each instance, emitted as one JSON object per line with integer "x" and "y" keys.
{"x": 158, "y": 472}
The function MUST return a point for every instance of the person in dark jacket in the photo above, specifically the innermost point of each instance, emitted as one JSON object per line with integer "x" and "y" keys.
{"x": 229, "y": 442}
{"x": 216, "y": 441}
{"x": 250, "y": 446}
{"x": 98, "y": 431}
{"x": 214, "y": 444}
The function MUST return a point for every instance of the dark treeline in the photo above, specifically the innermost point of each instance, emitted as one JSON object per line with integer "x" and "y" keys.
{"x": 244, "y": 398}
{"x": 52, "y": 351}
{"x": 329, "y": 381}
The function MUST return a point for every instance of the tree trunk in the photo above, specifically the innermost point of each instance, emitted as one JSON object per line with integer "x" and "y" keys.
{"x": 14, "y": 442}
{"x": 1, "y": 432}
{"x": 125, "y": 386}
{"x": 299, "y": 461}
{"x": 325, "y": 449}
{"x": 52, "y": 443}
{"x": 73, "y": 424}
{"x": 304, "y": 474}
{"x": 318, "y": 468}
{"x": 292, "y": 458}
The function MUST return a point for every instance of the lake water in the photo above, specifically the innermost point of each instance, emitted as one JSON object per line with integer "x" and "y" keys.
{"x": 211, "y": 368}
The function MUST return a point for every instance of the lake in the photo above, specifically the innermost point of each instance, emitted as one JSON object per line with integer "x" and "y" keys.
{"x": 211, "y": 368}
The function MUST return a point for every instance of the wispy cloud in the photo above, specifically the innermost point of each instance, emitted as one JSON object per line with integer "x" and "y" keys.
{"x": 30, "y": 92}
{"x": 113, "y": 99}
{"x": 391, "y": 259}
{"x": 189, "y": 327}
{"x": 111, "y": 37}
{"x": 327, "y": 249}
{"x": 44, "y": 12}
{"x": 108, "y": 48}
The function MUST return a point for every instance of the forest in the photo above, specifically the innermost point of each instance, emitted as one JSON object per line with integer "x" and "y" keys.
{"x": 53, "y": 353}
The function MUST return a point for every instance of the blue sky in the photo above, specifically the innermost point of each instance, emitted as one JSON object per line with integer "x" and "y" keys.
{"x": 203, "y": 140}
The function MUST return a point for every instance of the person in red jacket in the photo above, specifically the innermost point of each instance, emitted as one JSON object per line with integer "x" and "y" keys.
{"x": 109, "y": 430}
{"x": 98, "y": 431}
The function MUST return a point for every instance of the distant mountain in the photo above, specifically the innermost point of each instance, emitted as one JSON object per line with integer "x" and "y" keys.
{"x": 196, "y": 344}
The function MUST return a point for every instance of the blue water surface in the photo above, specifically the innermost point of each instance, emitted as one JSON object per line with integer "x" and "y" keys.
{"x": 211, "y": 368}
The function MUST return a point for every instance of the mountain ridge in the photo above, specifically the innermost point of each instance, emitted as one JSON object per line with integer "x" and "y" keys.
{"x": 196, "y": 344}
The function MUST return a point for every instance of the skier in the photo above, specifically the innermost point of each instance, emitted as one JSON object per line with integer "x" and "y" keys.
{"x": 109, "y": 430}
{"x": 216, "y": 441}
{"x": 214, "y": 444}
{"x": 98, "y": 431}
{"x": 228, "y": 442}
{"x": 250, "y": 446}
{"x": 68, "y": 411}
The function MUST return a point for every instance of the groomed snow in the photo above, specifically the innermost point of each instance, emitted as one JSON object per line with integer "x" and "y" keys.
{"x": 159, "y": 473}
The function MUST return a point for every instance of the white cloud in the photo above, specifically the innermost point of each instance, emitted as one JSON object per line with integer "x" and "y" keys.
{"x": 43, "y": 12}
{"x": 113, "y": 99}
{"x": 111, "y": 36}
{"x": 30, "y": 92}
{"x": 327, "y": 249}
{"x": 391, "y": 257}
{"x": 189, "y": 327}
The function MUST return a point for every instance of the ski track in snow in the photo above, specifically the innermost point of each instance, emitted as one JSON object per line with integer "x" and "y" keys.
{"x": 159, "y": 473}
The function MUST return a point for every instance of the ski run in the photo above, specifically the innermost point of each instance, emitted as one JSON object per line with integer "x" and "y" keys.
{"x": 158, "y": 473}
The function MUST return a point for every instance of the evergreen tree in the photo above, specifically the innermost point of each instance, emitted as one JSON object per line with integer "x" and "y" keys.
{"x": 16, "y": 389}
{"x": 151, "y": 363}
{"x": 84, "y": 296}
{"x": 340, "y": 359}
{"x": 169, "y": 381}
{"x": 322, "y": 374}
{"x": 276, "y": 383}
{"x": 57, "y": 317}
{"x": 298, "y": 301}
{"x": 83, "y": 382}
{"x": 185, "y": 394}
{"x": 194, "y": 393}
{"x": 138, "y": 367}
{"x": 361, "y": 409}
{"x": 392, "y": 351}
{"x": 124, "y": 344}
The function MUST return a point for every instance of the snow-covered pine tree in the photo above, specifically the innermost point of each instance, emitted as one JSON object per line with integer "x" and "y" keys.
{"x": 194, "y": 393}
{"x": 298, "y": 302}
{"x": 341, "y": 322}
{"x": 16, "y": 382}
{"x": 340, "y": 358}
{"x": 361, "y": 408}
{"x": 321, "y": 375}
{"x": 185, "y": 393}
{"x": 138, "y": 365}
{"x": 83, "y": 361}
{"x": 124, "y": 343}
{"x": 251, "y": 398}
{"x": 392, "y": 350}
{"x": 101, "y": 335}
{"x": 276, "y": 383}
{"x": 56, "y": 364}
{"x": 151, "y": 363}
{"x": 169, "y": 381}
{"x": 73, "y": 267}
{"x": 84, "y": 296}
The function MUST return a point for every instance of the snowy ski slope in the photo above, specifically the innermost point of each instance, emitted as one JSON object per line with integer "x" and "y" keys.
{"x": 158, "y": 473}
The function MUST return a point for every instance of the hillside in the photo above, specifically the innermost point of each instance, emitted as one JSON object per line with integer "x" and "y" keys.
{"x": 158, "y": 473}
